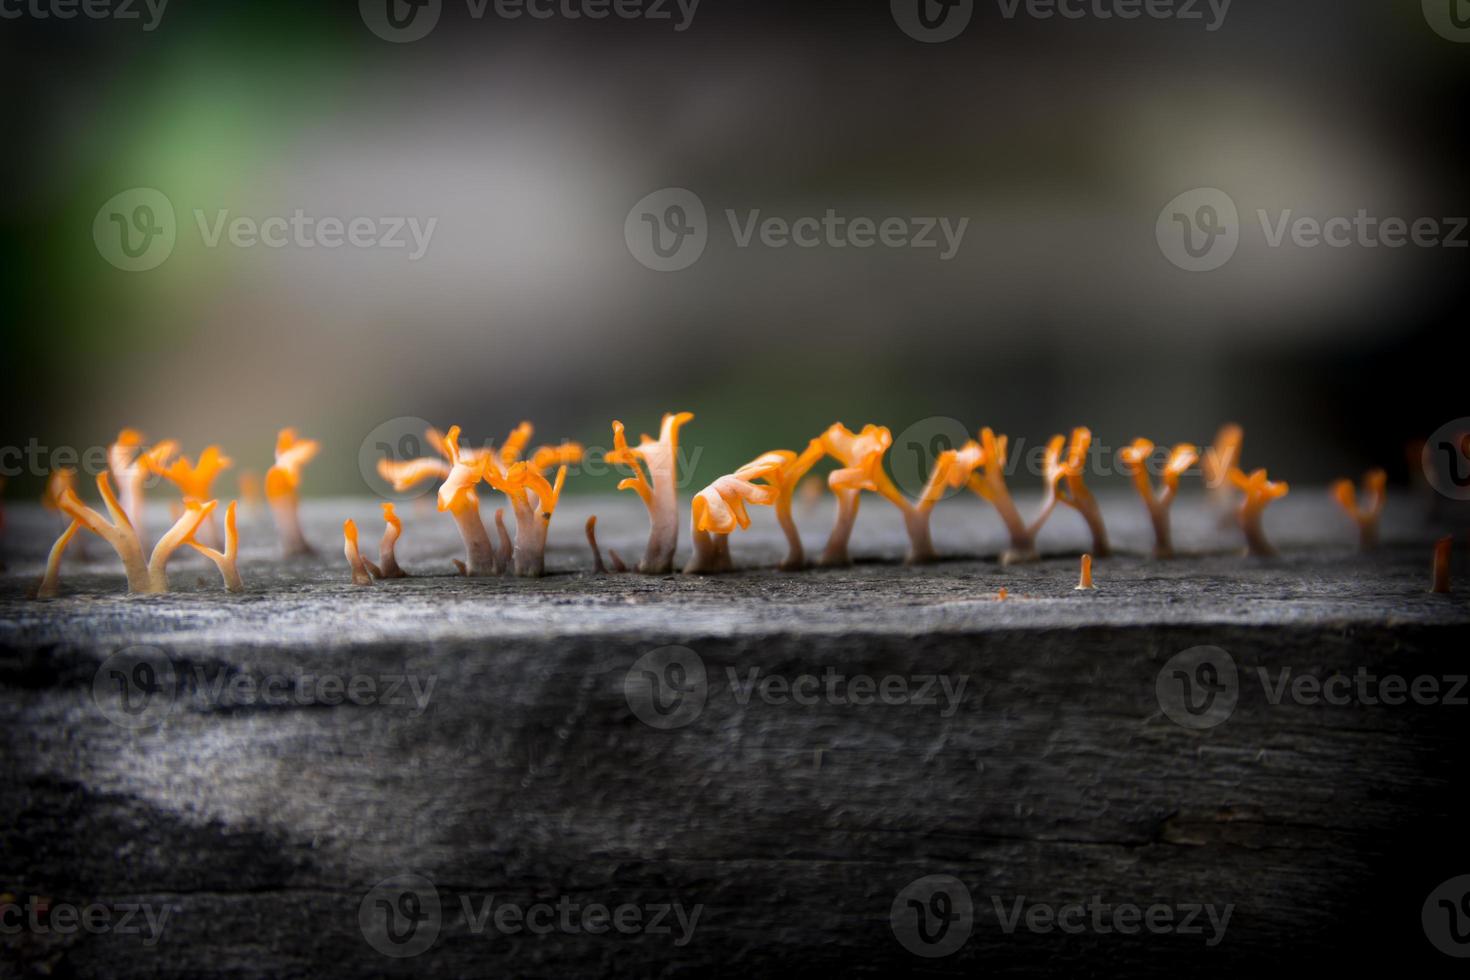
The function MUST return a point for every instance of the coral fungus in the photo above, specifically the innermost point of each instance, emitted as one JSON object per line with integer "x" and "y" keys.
{"x": 861, "y": 456}
{"x": 387, "y": 566}
{"x": 1066, "y": 479}
{"x": 657, "y": 487}
{"x": 533, "y": 500}
{"x": 1259, "y": 491}
{"x": 1135, "y": 460}
{"x": 130, "y": 466}
{"x": 457, "y": 496}
{"x": 1084, "y": 581}
{"x": 193, "y": 480}
{"x": 1375, "y": 482}
{"x": 784, "y": 476}
{"x": 143, "y": 576}
{"x": 719, "y": 509}
{"x": 990, "y": 483}
{"x": 282, "y": 483}
{"x": 225, "y": 560}
{"x": 1218, "y": 460}
{"x": 360, "y": 574}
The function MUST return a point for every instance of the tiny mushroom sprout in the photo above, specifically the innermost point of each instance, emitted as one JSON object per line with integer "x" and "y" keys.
{"x": 387, "y": 566}
{"x": 143, "y": 576}
{"x": 457, "y": 495}
{"x": 193, "y": 480}
{"x": 1084, "y": 581}
{"x": 360, "y": 574}
{"x": 990, "y": 483}
{"x": 282, "y": 482}
{"x": 1375, "y": 481}
{"x": 1259, "y": 491}
{"x": 125, "y": 458}
{"x": 225, "y": 560}
{"x": 788, "y": 472}
{"x": 861, "y": 456}
{"x": 1135, "y": 461}
{"x": 657, "y": 487}
{"x": 719, "y": 509}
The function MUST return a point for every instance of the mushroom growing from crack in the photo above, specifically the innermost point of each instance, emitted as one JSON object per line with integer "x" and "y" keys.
{"x": 126, "y": 459}
{"x": 785, "y": 477}
{"x": 861, "y": 456}
{"x": 990, "y": 484}
{"x": 658, "y": 487}
{"x": 1259, "y": 491}
{"x": 719, "y": 509}
{"x": 387, "y": 566}
{"x": 149, "y": 576}
{"x": 1135, "y": 461}
{"x": 225, "y": 560}
{"x": 282, "y": 483}
{"x": 1375, "y": 482}
{"x": 360, "y": 573}
{"x": 193, "y": 481}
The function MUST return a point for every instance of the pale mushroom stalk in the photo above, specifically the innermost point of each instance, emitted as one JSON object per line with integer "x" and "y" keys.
{"x": 173, "y": 539}
{"x": 225, "y": 561}
{"x": 990, "y": 484}
{"x": 282, "y": 482}
{"x": 1135, "y": 460}
{"x": 51, "y": 581}
{"x": 590, "y": 528}
{"x": 125, "y": 458}
{"x": 457, "y": 496}
{"x": 658, "y": 488}
{"x": 387, "y": 566}
{"x": 360, "y": 573}
{"x": 791, "y": 475}
{"x": 1375, "y": 482}
{"x": 533, "y": 500}
{"x": 861, "y": 455}
{"x": 118, "y": 533}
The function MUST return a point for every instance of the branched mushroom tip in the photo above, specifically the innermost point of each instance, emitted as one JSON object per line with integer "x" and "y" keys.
{"x": 989, "y": 483}
{"x": 861, "y": 456}
{"x": 1259, "y": 491}
{"x": 387, "y": 566}
{"x": 225, "y": 560}
{"x": 719, "y": 509}
{"x": 282, "y": 482}
{"x": 654, "y": 463}
{"x": 457, "y": 496}
{"x": 1366, "y": 517}
{"x": 1135, "y": 460}
{"x": 1442, "y": 551}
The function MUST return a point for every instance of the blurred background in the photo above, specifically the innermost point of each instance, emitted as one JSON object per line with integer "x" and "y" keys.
{"x": 527, "y": 141}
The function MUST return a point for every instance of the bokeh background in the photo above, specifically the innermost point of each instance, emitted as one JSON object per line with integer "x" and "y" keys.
{"x": 530, "y": 140}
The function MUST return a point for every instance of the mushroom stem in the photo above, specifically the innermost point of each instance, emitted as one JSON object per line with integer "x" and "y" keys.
{"x": 598, "y": 568}
{"x": 1135, "y": 460}
{"x": 658, "y": 489}
{"x": 387, "y": 566}
{"x": 288, "y": 526}
{"x": 1442, "y": 551}
{"x": 795, "y": 556}
{"x": 281, "y": 483}
{"x": 990, "y": 484}
{"x": 51, "y": 581}
{"x": 1259, "y": 491}
{"x": 835, "y": 553}
{"x": 1375, "y": 483}
{"x": 360, "y": 573}
{"x": 478, "y": 552}
{"x": 530, "y": 546}
{"x": 183, "y": 529}
{"x": 225, "y": 560}
{"x": 119, "y": 533}
{"x": 506, "y": 549}
{"x": 706, "y": 557}
{"x": 1085, "y": 581}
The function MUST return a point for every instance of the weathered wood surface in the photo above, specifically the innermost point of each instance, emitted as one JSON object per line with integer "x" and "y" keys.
{"x": 528, "y": 775}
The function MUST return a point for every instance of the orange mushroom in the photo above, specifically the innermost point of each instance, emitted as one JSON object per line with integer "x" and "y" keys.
{"x": 51, "y": 580}
{"x": 457, "y": 496}
{"x": 387, "y": 566}
{"x": 1066, "y": 476}
{"x": 149, "y": 576}
{"x": 1218, "y": 460}
{"x": 131, "y": 470}
{"x": 1375, "y": 482}
{"x": 193, "y": 480}
{"x": 225, "y": 560}
{"x": 719, "y": 509}
{"x": 990, "y": 484}
{"x": 658, "y": 487}
{"x": 1135, "y": 461}
{"x": 533, "y": 500}
{"x": 861, "y": 456}
{"x": 1259, "y": 491}
{"x": 790, "y": 470}
{"x": 282, "y": 484}
{"x": 360, "y": 574}
{"x": 1084, "y": 583}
